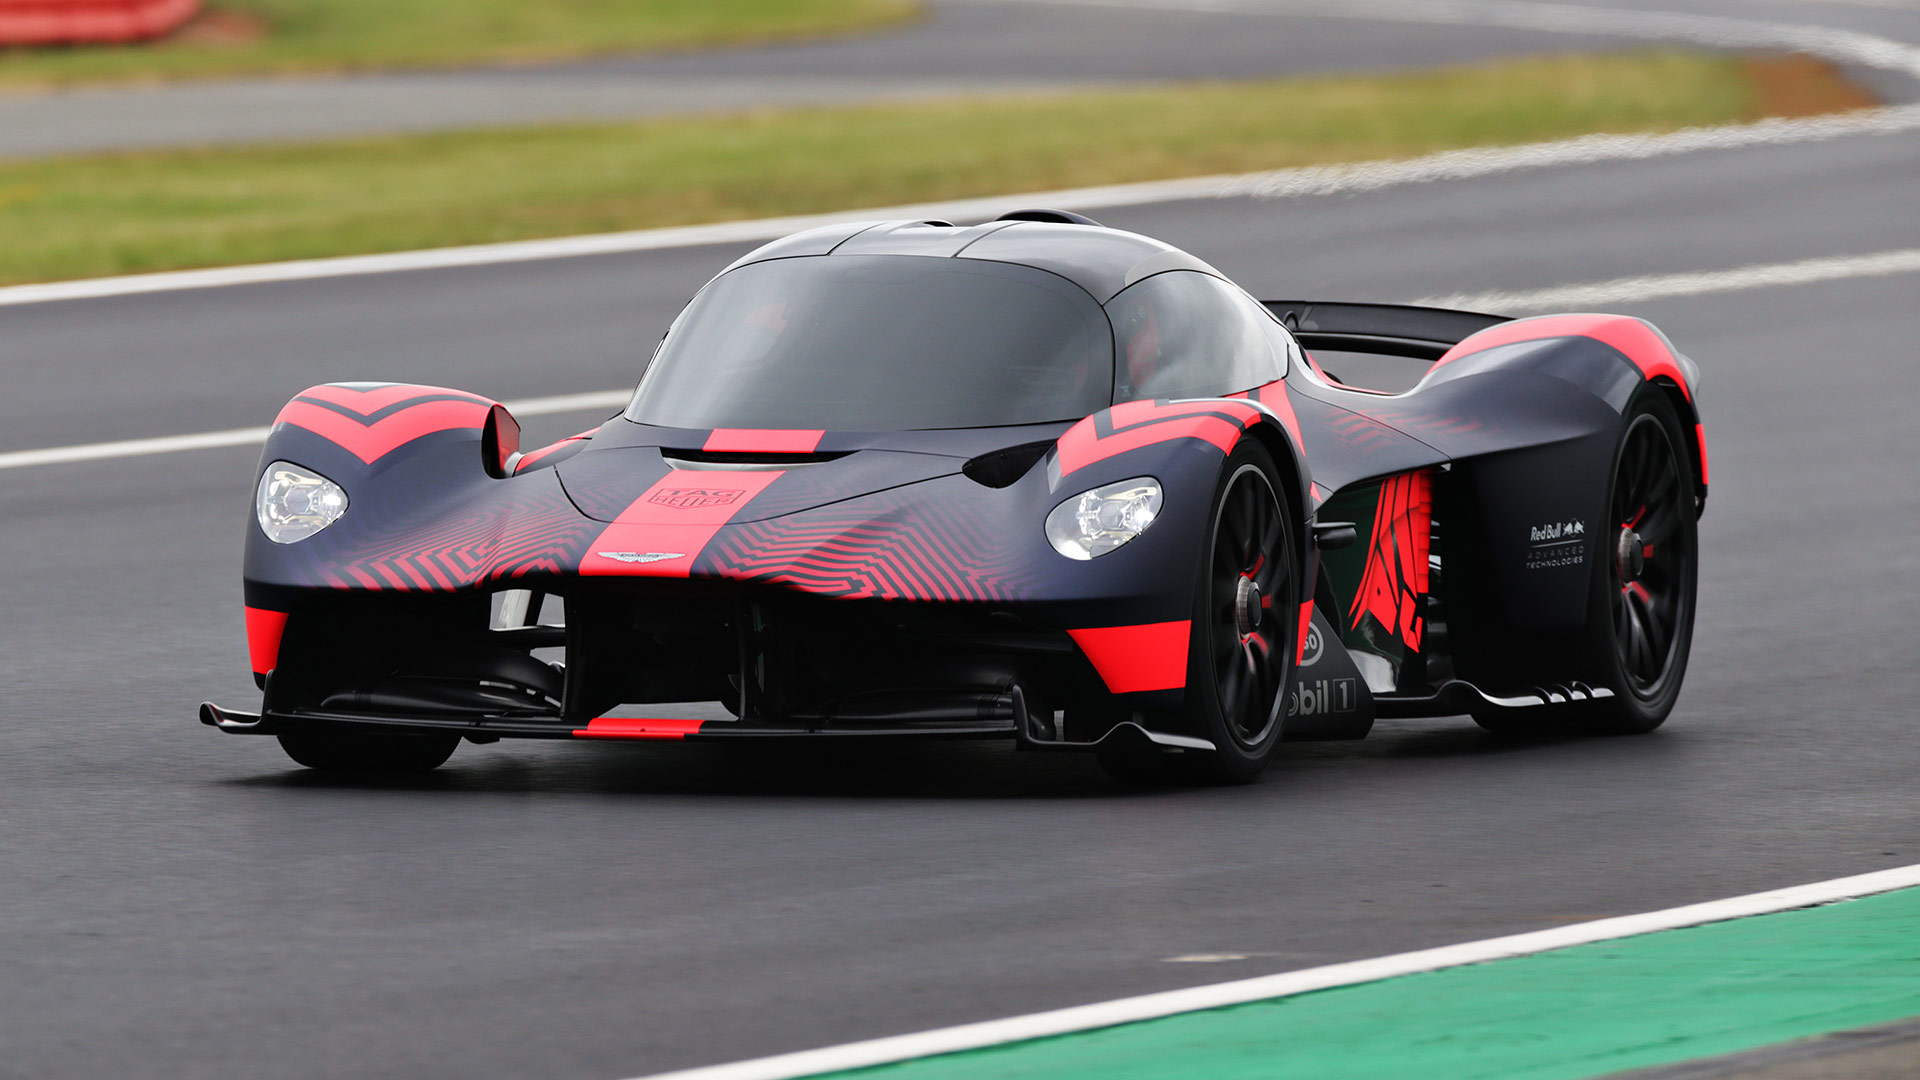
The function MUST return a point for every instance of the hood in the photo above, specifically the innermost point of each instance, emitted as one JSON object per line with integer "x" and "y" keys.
{"x": 626, "y": 483}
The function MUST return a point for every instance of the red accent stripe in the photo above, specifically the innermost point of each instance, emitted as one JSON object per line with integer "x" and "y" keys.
{"x": 1274, "y": 396}
{"x": 1130, "y": 659}
{"x": 763, "y": 441}
{"x": 632, "y": 727}
{"x": 1306, "y": 621}
{"x": 679, "y": 514}
{"x": 533, "y": 456}
{"x": 264, "y": 630}
{"x": 1636, "y": 338}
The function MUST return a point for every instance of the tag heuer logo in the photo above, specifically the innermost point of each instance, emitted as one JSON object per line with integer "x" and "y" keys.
{"x": 688, "y": 498}
{"x": 640, "y": 556}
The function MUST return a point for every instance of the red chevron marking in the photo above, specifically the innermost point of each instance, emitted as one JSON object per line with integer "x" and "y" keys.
{"x": 1143, "y": 423}
{"x": 371, "y": 442}
{"x": 373, "y": 399}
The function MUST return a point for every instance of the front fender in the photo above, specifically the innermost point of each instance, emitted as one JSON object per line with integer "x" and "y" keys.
{"x": 1191, "y": 438}
{"x": 407, "y": 456}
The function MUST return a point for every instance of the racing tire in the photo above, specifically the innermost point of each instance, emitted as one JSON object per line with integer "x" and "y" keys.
{"x": 1644, "y": 584}
{"x": 376, "y": 753}
{"x": 1241, "y": 650}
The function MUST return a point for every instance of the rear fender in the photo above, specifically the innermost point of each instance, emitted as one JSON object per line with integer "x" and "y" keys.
{"x": 1648, "y": 352}
{"x": 1530, "y": 412}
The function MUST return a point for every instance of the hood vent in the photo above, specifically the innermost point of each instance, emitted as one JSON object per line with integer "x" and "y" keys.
{"x": 743, "y": 460}
{"x": 1004, "y": 468}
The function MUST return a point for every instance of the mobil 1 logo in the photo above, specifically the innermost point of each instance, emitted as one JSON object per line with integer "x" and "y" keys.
{"x": 1327, "y": 699}
{"x": 1318, "y": 697}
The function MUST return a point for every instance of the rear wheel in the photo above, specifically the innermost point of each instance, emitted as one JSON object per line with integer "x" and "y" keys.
{"x": 1240, "y": 653}
{"x": 1644, "y": 582}
{"x": 370, "y": 752}
{"x": 1647, "y": 577}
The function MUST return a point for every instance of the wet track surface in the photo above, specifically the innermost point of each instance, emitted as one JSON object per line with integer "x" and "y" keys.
{"x": 175, "y": 902}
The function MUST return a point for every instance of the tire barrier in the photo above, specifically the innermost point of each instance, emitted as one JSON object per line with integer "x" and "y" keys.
{"x": 84, "y": 22}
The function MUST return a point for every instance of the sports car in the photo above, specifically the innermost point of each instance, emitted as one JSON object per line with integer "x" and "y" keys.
{"x": 1035, "y": 480}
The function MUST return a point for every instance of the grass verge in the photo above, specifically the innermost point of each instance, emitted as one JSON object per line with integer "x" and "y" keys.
{"x": 251, "y": 37}
{"x": 125, "y": 213}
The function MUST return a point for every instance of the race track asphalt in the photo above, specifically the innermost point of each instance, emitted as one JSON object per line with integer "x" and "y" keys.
{"x": 179, "y": 903}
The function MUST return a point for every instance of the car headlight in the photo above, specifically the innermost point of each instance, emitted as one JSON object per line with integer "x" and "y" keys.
{"x": 293, "y": 503}
{"x": 1095, "y": 522}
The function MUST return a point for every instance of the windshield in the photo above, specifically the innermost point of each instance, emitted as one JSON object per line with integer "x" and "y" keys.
{"x": 880, "y": 342}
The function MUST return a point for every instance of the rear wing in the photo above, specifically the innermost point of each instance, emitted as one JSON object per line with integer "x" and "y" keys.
{"x": 1422, "y": 333}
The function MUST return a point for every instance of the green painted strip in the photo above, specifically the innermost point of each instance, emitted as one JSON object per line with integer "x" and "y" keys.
{"x": 1564, "y": 1015}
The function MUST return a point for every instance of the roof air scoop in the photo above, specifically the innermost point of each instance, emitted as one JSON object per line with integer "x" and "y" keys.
{"x": 1057, "y": 217}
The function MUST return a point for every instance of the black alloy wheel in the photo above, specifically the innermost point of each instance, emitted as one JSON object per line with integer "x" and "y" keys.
{"x": 1647, "y": 556}
{"x": 1240, "y": 650}
{"x": 1250, "y": 575}
{"x": 1646, "y": 574}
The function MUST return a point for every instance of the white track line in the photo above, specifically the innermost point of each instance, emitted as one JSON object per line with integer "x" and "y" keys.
{"x": 1585, "y": 150}
{"x": 253, "y": 436}
{"x": 1907, "y": 5}
{"x": 1596, "y": 294}
{"x": 1277, "y": 184}
{"x": 1631, "y": 290}
{"x": 1151, "y": 1006}
{"x": 1716, "y": 31}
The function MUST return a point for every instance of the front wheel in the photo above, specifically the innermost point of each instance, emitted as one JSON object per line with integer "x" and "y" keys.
{"x": 370, "y": 752}
{"x": 1241, "y": 645}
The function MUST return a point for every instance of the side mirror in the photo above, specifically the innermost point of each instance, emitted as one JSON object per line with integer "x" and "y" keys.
{"x": 499, "y": 442}
{"x": 1334, "y": 535}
